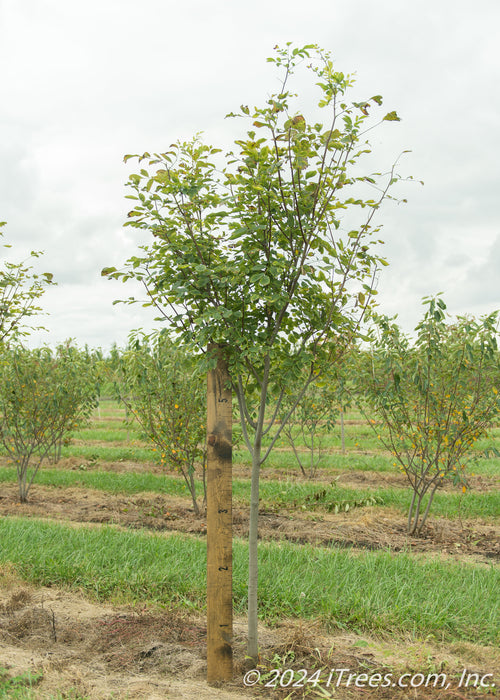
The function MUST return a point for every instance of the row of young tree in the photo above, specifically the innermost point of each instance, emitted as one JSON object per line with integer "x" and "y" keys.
{"x": 429, "y": 397}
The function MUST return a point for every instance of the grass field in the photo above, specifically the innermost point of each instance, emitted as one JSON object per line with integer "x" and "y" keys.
{"x": 363, "y": 591}
{"x": 378, "y": 584}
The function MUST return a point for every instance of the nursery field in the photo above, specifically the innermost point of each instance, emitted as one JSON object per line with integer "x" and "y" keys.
{"x": 102, "y": 576}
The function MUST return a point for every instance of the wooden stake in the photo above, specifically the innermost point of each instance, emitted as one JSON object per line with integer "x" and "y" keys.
{"x": 219, "y": 523}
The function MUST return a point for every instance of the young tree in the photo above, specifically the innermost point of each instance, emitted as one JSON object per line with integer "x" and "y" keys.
{"x": 312, "y": 419}
{"x": 255, "y": 255}
{"x": 163, "y": 389}
{"x": 20, "y": 289}
{"x": 433, "y": 398}
{"x": 90, "y": 365}
{"x": 44, "y": 395}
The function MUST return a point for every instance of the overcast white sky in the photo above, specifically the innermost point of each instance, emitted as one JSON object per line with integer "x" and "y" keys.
{"x": 84, "y": 83}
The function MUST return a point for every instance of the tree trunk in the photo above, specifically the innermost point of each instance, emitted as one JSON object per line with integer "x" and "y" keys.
{"x": 192, "y": 489}
{"x": 410, "y": 512}
{"x": 311, "y": 470}
{"x": 426, "y": 513}
{"x": 253, "y": 644}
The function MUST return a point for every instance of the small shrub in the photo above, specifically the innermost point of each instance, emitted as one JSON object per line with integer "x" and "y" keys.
{"x": 44, "y": 396}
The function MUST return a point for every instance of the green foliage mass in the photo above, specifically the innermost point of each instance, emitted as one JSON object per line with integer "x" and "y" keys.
{"x": 20, "y": 289}
{"x": 435, "y": 396}
{"x": 44, "y": 396}
{"x": 164, "y": 390}
{"x": 249, "y": 250}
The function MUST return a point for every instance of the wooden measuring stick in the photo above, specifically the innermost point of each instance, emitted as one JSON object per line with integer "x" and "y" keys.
{"x": 219, "y": 523}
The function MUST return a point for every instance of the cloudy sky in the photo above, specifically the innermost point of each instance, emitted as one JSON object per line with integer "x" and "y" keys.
{"x": 84, "y": 83}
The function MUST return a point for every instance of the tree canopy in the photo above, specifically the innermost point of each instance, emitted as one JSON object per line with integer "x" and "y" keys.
{"x": 248, "y": 248}
{"x": 20, "y": 289}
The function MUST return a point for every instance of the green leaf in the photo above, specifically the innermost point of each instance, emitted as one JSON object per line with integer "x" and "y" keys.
{"x": 107, "y": 271}
{"x": 391, "y": 117}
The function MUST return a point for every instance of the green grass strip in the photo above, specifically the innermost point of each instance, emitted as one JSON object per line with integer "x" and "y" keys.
{"x": 357, "y": 461}
{"x": 104, "y": 434}
{"x": 333, "y": 461}
{"x": 375, "y": 591}
{"x": 116, "y": 483}
{"x": 303, "y": 495}
{"x": 274, "y": 494}
{"x": 95, "y": 453}
{"x": 110, "y": 453}
{"x": 472, "y": 504}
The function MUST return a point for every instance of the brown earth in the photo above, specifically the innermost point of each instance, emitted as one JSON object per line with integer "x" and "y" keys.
{"x": 101, "y": 652}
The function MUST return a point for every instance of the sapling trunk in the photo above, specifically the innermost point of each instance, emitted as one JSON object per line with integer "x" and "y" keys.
{"x": 253, "y": 532}
{"x": 416, "y": 514}
{"x": 192, "y": 489}
{"x": 415, "y": 520}
{"x": 416, "y": 510}
{"x": 410, "y": 511}
{"x": 22, "y": 479}
{"x": 431, "y": 498}
{"x": 253, "y": 529}
{"x": 195, "y": 502}
{"x": 297, "y": 456}
{"x": 311, "y": 472}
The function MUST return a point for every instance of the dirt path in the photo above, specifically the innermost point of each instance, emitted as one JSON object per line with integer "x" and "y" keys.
{"x": 103, "y": 652}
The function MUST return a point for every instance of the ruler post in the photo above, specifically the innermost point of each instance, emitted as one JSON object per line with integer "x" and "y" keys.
{"x": 219, "y": 522}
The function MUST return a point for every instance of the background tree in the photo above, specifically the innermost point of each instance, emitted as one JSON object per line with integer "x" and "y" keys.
{"x": 164, "y": 390}
{"x": 90, "y": 362}
{"x": 44, "y": 396}
{"x": 311, "y": 421}
{"x": 20, "y": 289}
{"x": 259, "y": 253}
{"x": 433, "y": 398}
